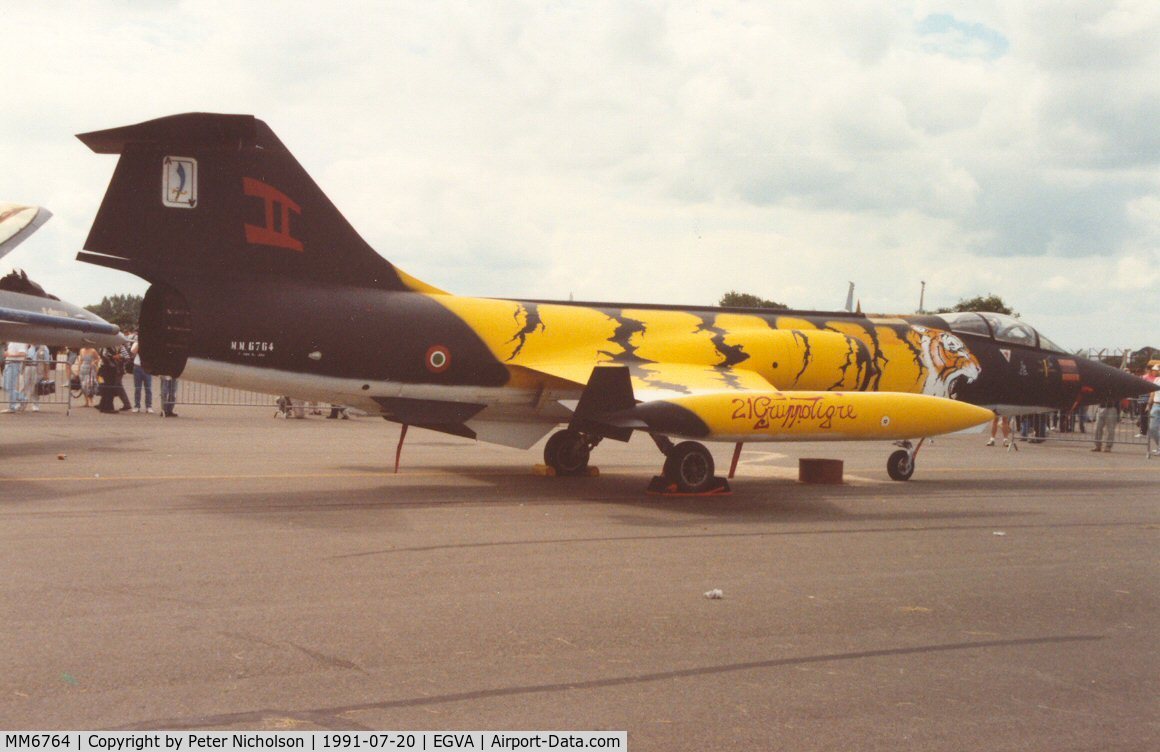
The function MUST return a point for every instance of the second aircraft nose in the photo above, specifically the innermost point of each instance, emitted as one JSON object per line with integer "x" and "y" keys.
{"x": 1102, "y": 382}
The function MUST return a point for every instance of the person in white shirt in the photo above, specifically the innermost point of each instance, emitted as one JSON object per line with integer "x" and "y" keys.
{"x": 35, "y": 370}
{"x": 14, "y": 355}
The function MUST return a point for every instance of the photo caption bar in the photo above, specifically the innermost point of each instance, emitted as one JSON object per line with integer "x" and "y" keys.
{"x": 188, "y": 741}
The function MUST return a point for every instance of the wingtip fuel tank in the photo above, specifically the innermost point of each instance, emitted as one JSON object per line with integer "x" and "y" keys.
{"x": 809, "y": 416}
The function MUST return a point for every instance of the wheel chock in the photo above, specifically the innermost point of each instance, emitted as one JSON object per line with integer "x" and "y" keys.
{"x": 662, "y": 486}
{"x": 547, "y": 471}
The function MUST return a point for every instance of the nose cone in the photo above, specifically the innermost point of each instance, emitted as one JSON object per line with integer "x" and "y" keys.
{"x": 1102, "y": 382}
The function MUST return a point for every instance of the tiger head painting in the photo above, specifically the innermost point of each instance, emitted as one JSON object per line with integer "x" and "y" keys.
{"x": 947, "y": 361}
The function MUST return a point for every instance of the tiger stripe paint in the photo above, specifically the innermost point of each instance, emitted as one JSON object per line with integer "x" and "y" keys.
{"x": 785, "y": 352}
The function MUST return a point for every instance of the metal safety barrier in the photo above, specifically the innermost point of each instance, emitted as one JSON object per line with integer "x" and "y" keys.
{"x": 66, "y": 391}
{"x": 1070, "y": 427}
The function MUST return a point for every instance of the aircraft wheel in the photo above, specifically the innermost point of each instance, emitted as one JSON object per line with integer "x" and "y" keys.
{"x": 567, "y": 452}
{"x": 900, "y": 466}
{"x": 690, "y": 466}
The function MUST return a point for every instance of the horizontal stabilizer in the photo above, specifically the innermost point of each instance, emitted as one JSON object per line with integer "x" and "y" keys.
{"x": 424, "y": 412}
{"x": 435, "y": 415}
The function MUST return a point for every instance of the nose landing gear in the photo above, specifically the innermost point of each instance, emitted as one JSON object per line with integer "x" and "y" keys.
{"x": 900, "y": 464}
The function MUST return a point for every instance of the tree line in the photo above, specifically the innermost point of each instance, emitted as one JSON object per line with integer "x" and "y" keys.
{"x": 988, "y": 303}
{"x": 122, "y": 310}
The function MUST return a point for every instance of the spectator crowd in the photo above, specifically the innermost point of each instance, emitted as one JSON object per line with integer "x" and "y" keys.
{"x": 94, "y": 376}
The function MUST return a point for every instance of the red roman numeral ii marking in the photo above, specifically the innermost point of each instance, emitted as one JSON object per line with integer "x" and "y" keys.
{"x": 278, "y": 205}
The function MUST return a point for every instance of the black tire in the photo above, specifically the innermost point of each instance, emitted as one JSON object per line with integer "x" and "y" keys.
{"x": 899, "y": 466}
{"x": 690, "y": 466}
{"x": 567, "y": 452}
{"x": 552, "y": 448}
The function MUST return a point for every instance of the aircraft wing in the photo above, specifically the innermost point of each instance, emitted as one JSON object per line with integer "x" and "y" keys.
{"x": 653, "y": 381}
{"x": 17, "y": 222}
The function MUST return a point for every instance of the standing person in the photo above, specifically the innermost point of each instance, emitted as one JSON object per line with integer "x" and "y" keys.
{"x": 168, "y": 396}
{"x": 14, "y": 355}
{"x": 1107, "y": 418}
{"x": 1004, "y": 422}
{"x": 123, "y": 357}
{"x": 141, "y": 377}
{"x": 35, "y": 371}
{"x": 109, "y": 379}
{"x": 1039, "y": 425}
{"x": 1153, "y": 375}
{"x": 1153, "y": 409}
{"x": 89, "y": 362}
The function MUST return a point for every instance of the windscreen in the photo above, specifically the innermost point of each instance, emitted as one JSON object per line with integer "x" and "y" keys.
{"x": 1000, "y": 327}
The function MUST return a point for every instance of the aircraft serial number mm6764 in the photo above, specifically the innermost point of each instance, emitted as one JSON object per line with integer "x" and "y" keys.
{"x": 37, "y": 741}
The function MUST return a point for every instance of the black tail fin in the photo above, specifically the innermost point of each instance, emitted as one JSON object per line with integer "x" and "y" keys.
{"x": 204, "y": 193}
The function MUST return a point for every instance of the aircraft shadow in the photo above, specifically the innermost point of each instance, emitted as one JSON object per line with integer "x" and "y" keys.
{"x": 623, "y": 498}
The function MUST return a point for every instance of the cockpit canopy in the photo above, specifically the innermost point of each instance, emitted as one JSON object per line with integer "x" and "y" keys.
{"x": 999, "y": 327}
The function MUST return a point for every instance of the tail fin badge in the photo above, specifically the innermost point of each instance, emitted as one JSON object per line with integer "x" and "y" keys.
{"x": 179, "y": 182}
{"x": 278, "y": 206}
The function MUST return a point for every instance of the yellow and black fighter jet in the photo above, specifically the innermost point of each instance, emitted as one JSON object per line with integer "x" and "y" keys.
{"x": 257, "y": 281}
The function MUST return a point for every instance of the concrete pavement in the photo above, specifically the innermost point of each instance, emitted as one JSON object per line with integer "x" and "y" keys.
{"x": 226, "y": 570}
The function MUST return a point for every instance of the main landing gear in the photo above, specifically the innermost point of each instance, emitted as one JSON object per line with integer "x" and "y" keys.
{"x": 900, "y": 464}
{"x": 567, "y": 452}
{"x": 688, "y": 467}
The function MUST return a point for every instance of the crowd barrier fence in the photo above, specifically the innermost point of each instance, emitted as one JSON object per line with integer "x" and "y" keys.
{"x": 66, "y": 391}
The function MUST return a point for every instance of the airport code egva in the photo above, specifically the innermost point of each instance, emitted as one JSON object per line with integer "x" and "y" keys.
{"x": 114, "y": 741}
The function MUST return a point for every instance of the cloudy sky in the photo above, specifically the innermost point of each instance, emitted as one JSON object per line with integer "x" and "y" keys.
{"x": 652, "y": 152}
